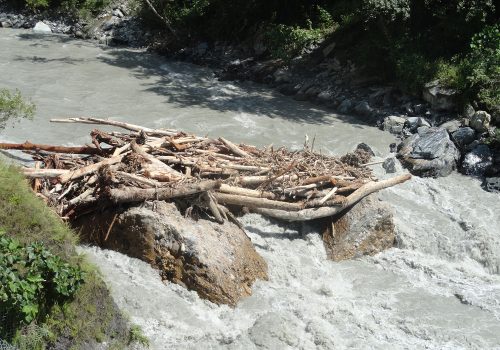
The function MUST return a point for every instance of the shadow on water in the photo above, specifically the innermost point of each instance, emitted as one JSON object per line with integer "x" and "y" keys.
{"x": 186, "y": 85}
{"x": 38, "y": 59}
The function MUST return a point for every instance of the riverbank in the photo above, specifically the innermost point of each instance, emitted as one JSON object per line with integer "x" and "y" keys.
{"x": 321, "y": 76}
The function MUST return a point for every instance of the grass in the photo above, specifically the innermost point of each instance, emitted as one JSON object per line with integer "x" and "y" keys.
{"x": 91, "y": 317}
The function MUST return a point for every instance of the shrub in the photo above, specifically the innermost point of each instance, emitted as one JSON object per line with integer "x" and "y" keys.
{"x": 32, "y": 279}
{"x": 13, "y": 106}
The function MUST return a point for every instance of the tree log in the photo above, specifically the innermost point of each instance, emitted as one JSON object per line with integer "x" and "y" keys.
{"x": 89, "y": 169}
{"x": 246, "y": 192}
{"x": 252, "y": 202}
{"x": 43, "y": 173}
{"x": 134, "y": 194}
{"x": 28, "y": 146}
{"x": 235, "y": 149}
{"x": 322, "y": 212}
{"x": 156, "y": 169}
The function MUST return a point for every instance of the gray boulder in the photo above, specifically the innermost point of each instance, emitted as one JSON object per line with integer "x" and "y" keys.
{"x": 365, "y": 229}
{"x": 439, "y": 97}
{"x": 389, "y": 165}
{"x": 219, "y": 262}
{"x": 480, "y": 121}
{"x": 463, "y": 136}
{"x": 451, "y": 126}
{"x": 363, "y": 109}
{"x": 346, "y": 106}
{"x": 477, "y": 161}
{"x": 413, "y": 123}
{"x": 492, "y": 184}
{"x": 429, "y": 153}
{"x": 468, "y": 111}
{"x": 41, "y": 27}
{"x": 393, "y": 124}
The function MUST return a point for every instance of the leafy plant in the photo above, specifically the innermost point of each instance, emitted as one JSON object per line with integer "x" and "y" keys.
{"x": 13, "y": 106}
{"x": 137, "y": 336}
{"x": 32, "y": 279}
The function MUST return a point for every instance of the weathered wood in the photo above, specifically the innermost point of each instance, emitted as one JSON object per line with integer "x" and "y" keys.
{"x": 328, "y": 196}
{"x": 233, "y": 148}
{"x": 322, "y": 212}
{"x": 156, "y": 169}
{"x": 43, "y": 173}
{"x": 89, "y": 169}
{"x": 245, "y": 192}
{"x": 253, "y": 202}
{"x": 134, "y": 194}
{"x": 257, "y": 180}
{"x": 28, "y": 146}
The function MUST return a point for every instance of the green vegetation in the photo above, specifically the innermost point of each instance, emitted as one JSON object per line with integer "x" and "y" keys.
{"x": 406, "y": 42}
{"x": 13, "y": 107}
{"x": 136, "y": 336}
{"x": 81, "y": 8}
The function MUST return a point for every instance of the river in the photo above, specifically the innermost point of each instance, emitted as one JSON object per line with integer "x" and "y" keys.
{"x": 439, "y": 288}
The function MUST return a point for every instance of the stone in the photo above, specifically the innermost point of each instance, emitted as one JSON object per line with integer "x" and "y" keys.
{"x": 492, "y": 184}
{"x": 420, "y": 108}
{"x": 363, "y": 109}
{"x": 480, "y": 121}
{"x": 365, "y": 229}
{"x": 282, "y": 76}
{"x": 118, "y": 13}
{"x": 41, "y": 27}
{"x": 468, "y": 111}
{"x": 429, "y": 153}
{"x": 328, "y": 49}
{"x": 325, "y": 96}
{"x": 412, "y": 123}
{"x": 218, "y": 261}
{"x": 439, "y": 97}
{"x": 463, "y": 136}
{"x": 389, "y": 165}
{"x": 5, "y": 24}
{"x": 393, "y": 124}
{"x": 451, "y": 126}
{"x": 345, "y": 107}
{"x": 364, "y": 147}
{"x": 477, "y": 161}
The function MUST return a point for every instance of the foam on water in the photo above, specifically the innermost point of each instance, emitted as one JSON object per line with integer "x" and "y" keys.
{"x": 439, "y": 288}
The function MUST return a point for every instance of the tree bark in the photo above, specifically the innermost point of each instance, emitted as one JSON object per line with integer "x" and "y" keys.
{"x": 28, "y": 146}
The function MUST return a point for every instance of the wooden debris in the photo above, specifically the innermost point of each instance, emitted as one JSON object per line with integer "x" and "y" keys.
{"x": 215, "y": 175}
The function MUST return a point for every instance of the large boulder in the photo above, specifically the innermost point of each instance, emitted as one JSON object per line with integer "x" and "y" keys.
{"x": 463, "y": 136}
{"x": 480, "y": 121}
{"x": 430, "y": 152}
{"x": 394, "y": 124}
{"x": 218, "y": 261}
{"x": 439, "y": 97}
{"x": 41, "y": 27}
{"x": 365, "y": 229}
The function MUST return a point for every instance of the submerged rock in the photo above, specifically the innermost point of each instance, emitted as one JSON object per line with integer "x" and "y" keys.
{"x": 477, "y": 161}
{"x": 219, "y": 262}
{"x": 429, "y": 153}
{"x": 492, "y": 184}
{"x": 365, "y": 229}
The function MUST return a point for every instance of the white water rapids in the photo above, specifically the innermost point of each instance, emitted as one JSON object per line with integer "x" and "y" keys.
{"x": 438, "y": 289}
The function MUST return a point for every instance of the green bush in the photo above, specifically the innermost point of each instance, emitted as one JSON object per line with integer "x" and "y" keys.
{"x": 13, "y": 106}
{"x": 32, "y": 279}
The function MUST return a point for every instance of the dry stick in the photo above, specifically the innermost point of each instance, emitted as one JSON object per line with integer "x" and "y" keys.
{"x": 218, "y": 155}
{"x": 28, "y": 146}
{"x": 246, "y": 192}
{"x": 43, "y": 173}
{"x": 134, "y": 194}
{"x": 158, "y": 169}
{"x": 235, "y": 149}
{"x": 212, "y": 205}
{"x": 89, "y": 169}
{"x": 127, "y": 126}
{"x": 328, "y": 196}
{"x": 122, "y": 149}
{"x": 252, "y": 202}
{"x": 139, "y": 179}
{"x": 326, "y": 178}
{"x": 110, "y": 227}
{"x": 373, "y": 163}
{"x": 256, "y": 180}
{"x": 322, "y": 212}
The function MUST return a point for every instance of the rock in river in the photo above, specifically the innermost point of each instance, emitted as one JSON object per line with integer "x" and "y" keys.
{"x": 429, "y": 153}
{"x": 365, "y": 229}
{"x": 219, "y": 262}
{"x": 477, "y": 161}
{"x": 41, "y": 27}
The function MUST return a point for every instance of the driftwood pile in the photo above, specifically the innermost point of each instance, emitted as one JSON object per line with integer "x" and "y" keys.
{"x": 212, "y": 175}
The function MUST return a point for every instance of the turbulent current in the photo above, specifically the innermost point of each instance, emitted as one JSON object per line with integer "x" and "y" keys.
{"x": 439, "y": 288}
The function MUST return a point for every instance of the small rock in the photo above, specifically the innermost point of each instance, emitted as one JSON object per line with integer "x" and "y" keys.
{"x": 480, "y": 121}
{"x": 468, "y": 111}
{"x": 118, "y": 13}
{"x": 363, "y": 109}
{"x": 420, "y": 108}
{"x": 327, "y": 50}
{"x": 393, "y": 147}
{"x": 325, "y": 96}
{"x": 41, "y": 27}
{"x": 364, "y": 147}
{"x": 6, "y": 24}
{"x": 393, "y": 124}
{"x": 412, "y": 123}
{"x": 389, "y": 165}
{"x": 313, "y": 91}
{"x": 346, "y": 106}
{"x": 492, "y": 184}
{"x": 463, "y": 136}
{"x": 439, "y": 97}
{"x": 477, "y": 161}
{"x": 282, "y": 76}
{"x": 451, "y": 126}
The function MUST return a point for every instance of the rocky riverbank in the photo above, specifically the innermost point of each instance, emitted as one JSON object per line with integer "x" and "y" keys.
{"x": 436, "y": 136}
